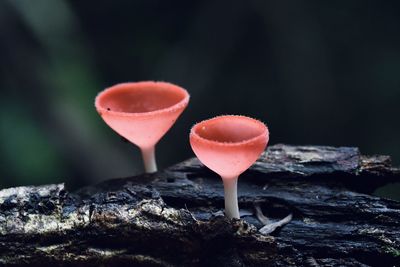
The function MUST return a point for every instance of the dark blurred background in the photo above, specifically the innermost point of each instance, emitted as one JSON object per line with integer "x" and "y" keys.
{"x": 317, "y": 72}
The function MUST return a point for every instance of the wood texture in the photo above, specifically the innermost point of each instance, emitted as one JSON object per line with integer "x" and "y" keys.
{"x": 173, "y": 218}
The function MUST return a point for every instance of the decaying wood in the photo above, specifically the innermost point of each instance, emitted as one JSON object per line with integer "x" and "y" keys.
{"x": 173, "y": 218}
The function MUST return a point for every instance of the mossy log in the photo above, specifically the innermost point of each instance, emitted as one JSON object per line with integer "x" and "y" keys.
{"x": 173, "y": 217}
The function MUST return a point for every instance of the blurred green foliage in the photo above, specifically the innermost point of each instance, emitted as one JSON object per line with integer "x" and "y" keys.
{"x": 26, "y": 151}
{"x": 317, "y": 72}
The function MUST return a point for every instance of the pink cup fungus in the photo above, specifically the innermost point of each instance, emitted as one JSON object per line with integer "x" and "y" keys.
{"x": 142, "y": 112}
{"x": 229, "y": 145}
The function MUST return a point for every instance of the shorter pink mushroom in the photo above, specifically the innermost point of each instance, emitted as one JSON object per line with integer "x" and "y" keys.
{"x": 142, "y": 112}
{"x": 229, "y": 145}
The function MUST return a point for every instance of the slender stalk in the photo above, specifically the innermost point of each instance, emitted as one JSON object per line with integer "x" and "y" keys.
{"x": 149, "y": 159}
{"x": 231, "y": 200}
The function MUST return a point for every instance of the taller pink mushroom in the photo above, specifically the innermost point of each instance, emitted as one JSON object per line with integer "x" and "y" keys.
{"x": 229, "y": 145}
{"x": 142, "y": 112}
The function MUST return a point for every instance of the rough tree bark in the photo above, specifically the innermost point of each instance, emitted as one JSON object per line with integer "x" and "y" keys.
{"x": 173, "y": 218}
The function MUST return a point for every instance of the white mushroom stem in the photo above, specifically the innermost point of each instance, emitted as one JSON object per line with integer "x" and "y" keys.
{"x": 231, "y": 200}
{"x": 149, "y": 159}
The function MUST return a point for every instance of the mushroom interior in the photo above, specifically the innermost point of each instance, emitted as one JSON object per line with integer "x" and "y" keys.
{"x": 229, "y": 129}
{"x": 141, "y": 99}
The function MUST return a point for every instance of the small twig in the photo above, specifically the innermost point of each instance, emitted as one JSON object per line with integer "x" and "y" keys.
{"x": 259, "y": 214}
{"x": 269, "y": 228}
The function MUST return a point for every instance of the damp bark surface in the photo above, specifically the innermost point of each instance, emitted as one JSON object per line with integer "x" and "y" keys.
{"x": 174, "y": 217}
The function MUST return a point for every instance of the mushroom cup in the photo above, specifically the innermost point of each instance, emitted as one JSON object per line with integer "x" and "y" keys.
{"x": 142, "y": 112}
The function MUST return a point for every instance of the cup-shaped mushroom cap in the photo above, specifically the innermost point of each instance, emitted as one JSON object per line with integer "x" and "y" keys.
{"x": 142, "y": 112}
{"x": 229, "y": 144}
